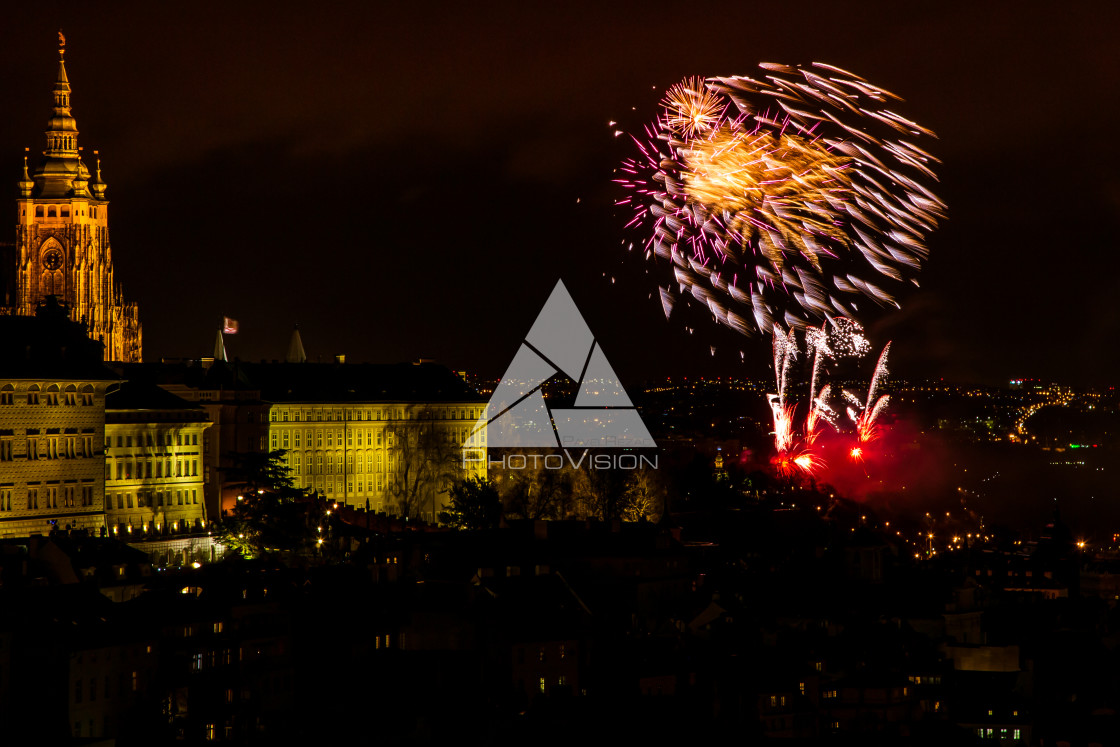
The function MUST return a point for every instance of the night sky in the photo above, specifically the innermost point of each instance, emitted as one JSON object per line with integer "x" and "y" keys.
{"x": 411, "y": 179}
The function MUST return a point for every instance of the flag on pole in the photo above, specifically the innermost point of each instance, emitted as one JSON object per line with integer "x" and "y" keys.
{"x": 229, "y": 326}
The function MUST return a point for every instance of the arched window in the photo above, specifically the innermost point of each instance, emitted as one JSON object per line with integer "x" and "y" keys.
{"x": 52, "y": 394}
{"x": 33, "y": 394}
{"x": 38, "y": 211}
{"x": 53, "y": 283}
{"x": 87, "y": 398}
{"x": 51, "y": 212}
{"x": 71, "y": 397}
{"x": 8, "y": 395}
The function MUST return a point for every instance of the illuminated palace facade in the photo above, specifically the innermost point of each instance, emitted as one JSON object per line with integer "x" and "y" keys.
{"x": 394, "y": 457}
{"x": 155, "y": 468}
{"x": 62, "y": 240}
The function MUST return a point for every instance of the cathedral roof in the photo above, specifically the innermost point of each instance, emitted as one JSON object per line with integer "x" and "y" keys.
{"x": 144, "y": 395}
{"x": 315, "y": 382}
{"x": 359, "y": 382}
{"x": 49, "y": 345}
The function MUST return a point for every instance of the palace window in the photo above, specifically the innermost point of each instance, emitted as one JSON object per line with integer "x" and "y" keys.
{"x": 33, "y": 395}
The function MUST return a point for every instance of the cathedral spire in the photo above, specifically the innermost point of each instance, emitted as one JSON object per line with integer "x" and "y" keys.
{"x": 62, "y": 130}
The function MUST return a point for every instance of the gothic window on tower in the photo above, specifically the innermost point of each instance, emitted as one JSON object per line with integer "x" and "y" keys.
{"x": 51, "y": 212}
{"x": 38, "y": 211}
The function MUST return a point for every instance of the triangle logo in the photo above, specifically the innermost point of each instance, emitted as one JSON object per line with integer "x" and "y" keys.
{"x": 560, "y": 342}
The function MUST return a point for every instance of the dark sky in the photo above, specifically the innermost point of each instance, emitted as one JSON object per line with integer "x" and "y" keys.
{"x": 411, "y": 179}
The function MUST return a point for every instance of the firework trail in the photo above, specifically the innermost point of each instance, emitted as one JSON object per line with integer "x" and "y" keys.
{"x": 782, "y": 201}
{"x": 785, "y": 352}
{"x": 865, "y": 414}
{"x": 794, "y": 456}
{"x": 795, "y": 447}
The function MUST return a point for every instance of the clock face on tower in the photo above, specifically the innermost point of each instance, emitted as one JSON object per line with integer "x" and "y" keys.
{"x": 52, "y": 260}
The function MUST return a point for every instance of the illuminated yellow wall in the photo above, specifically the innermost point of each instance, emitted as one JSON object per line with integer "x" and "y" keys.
{"x": 352, "y": 452}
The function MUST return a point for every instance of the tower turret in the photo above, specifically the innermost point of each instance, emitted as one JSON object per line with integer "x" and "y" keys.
{"x": 25, "y": 184}
{"x": 96, "y": 185}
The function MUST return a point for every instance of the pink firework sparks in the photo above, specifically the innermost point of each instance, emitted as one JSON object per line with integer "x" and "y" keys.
{"x": 800, "y": 186}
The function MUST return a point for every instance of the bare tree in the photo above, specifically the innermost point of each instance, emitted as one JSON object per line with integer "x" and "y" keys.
{"x": 424, "y": 460}
{"x": 536, "y": 492}
{"x": 643, "y": 495}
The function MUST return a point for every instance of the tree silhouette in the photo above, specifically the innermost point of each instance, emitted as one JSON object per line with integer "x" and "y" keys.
{"x": 474, "y": 505}
{"x": 271, "y": 516}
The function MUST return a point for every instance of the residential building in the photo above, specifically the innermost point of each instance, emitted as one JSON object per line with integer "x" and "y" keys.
{"x": 52, "y": 424}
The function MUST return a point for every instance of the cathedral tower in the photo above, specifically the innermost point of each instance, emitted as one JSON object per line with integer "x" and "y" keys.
{"x": 62, "y": 238}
